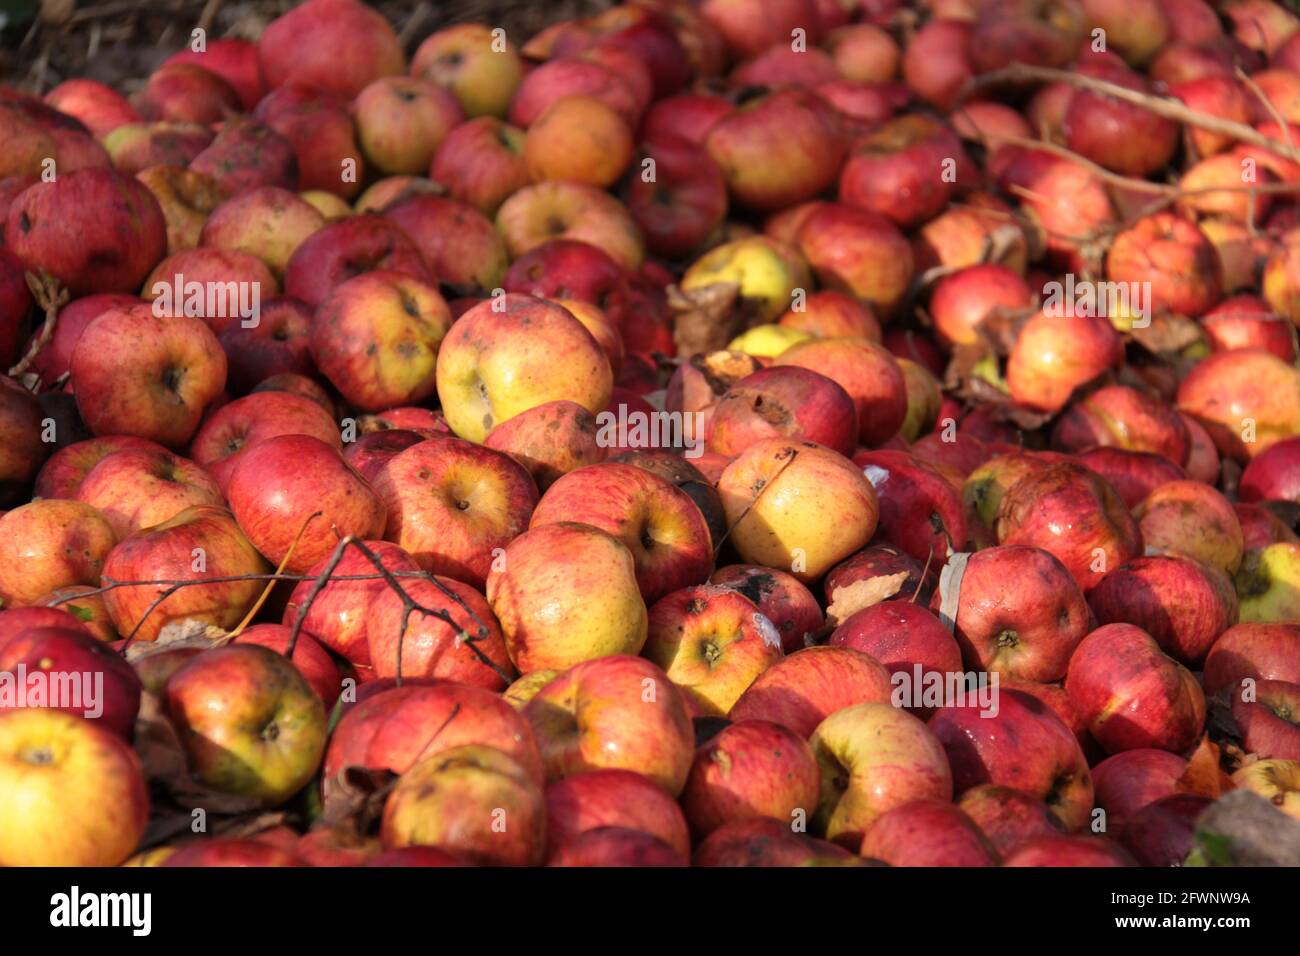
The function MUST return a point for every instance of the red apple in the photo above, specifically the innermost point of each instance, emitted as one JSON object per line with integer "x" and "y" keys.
{"x": 612, "y": 798}
{"x": 1008, "y": 818}
{"x": 802, "y": 690}
{"x": 1254, "y": 651}
{"x": 927, "y": 833}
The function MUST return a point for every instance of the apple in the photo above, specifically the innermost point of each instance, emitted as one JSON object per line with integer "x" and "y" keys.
{"x": 780, "y": 597}
{"x": 927, "y": 832}
{"x": 273, "y": 500}
{"x": 85, "y": 605}
{"x": 135, "y": 489}
{"x": 135, "y": 147}
{"x": 800, "y": 691}
{"x": 48, "y": 544}
{"x": 467, "y": 60}
{"x": 401, "y": 121}
{"x": 450, "y": 522}
{"x": 799, "y": 402}
{"x": 828, "y": 314}
{"x": 1132, "y": 779}
{"x": 920, "y": 503}
{"x": 684, "y": 202}
{"x": 100, "y": 107}
{"x": 1008, "y": 818}
{"x": 1064, "y": 201}
{"x": 1123, "y": 417}
{"x": 62, "y": 474}
{"x": 483, "y": 360}
{"x": 458, "y": 799}
{"x": 858, "y": 252}
{"x": 250, "y": 723}
{"x": 234, "y": 59}
{"x": 1277, "y": 781}
{"x": 759, "y": 841}
{"x": 872, "y": 378}
{"x": 229, "y": 432}
{"x": 1243, "y": 322}
{"x": 481, "y": 163}
{"x": 1247, "y": 399}
{"x": 612, "y": 798}
{"x": 1258, "y": 651}
{"x": 567, "y": 76}
{"x": 1266, "y": 583}
{"x": 617, "y": 712}
{"x": 230, "y": 852}
{"x": 550, "y": 440}
{"x": 689, "y": 115}
{"x": 1074, "y": 515}
{"x": 936, "y": 63}
{"x": 961, "y": 301}
{"x": 1269, "y": 721}
{"x": 1163, "y": 833}
{"x": 137, "y": 373}
{"x": 1273, "y": 475}
{"x": 230, "y": 287}
{"x": 778, "y": 149}
{"x": 1024, "y": 746}
{"x": 396, "y": 728}
{"x": 903, "y": 636}
{"x": 1131, "y": 694}
{"x": 899, "y": 170}
{"x": 1260, "y": 527}
{"x": 185, "y": 198}
{"x": 797, "y": 506}
{"x": 580, "y": 139}
{"x": 279, "y": 344}
{"x": 185, "y": 93}
{"x": 265, "y": 221}
{"x": 873, "y": 758}
{"x": 1191, "y": 518}
{"x": 1069, "y": 851}
{"x": 336, "y": 45}
{"x": 1182, "y": 603}
{"x": 340, "y": 250}
{"x": 84, "y": 784}
{"x": 49, "y": 228}
{"x": 1053, "y": 356}
{"x": 615, "y": 846}
{"x": 562, "y": 210}
{"x": 460, "y": 244}
{"x": 751, "y": 26}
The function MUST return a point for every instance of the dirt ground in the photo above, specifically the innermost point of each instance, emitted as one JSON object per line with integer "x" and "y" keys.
{"x": 43, "y": 42}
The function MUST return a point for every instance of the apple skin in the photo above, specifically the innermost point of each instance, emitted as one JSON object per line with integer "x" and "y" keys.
{"x": 550, "y": 440}
{"x": 1120, "y": 416}
{"x": 614, "y": 846}
{"x": 228, "y": 433}
{"x": 481, "y": 162}
{"x": 72, "y": 653}
{"x": 902, "y": 636}
{"x": 138, "y": 374}
{"x": 897, "y": 170}
{"x": 687, "y": 200}
{"x": 1270, "y": 724}
{"x": 1074, "y": 515}
{"x": 281, "y": 481}
{"x": 1256, "y": 651}
{"x": 265, "y": 221}
{"x": 878, "y": 561}
{"x": 168, "y": 551}
{"x": 465, "y": 59}
{"x": 186, "y": 199}
{"x": 617, "y": 712}
{"x": 460, "y": 244}
{"x": 803, "y": 689}
{"x": 873, "y": 758}
{"x": 396, "y": 728}
{"x": 962, "y": 300}
{"x": 135, "y": 147}
{"x": 1163, "y": 833}
{"x": 1133, "y": 474}
{"x": 50, "y": 227}
{"x": 341, "y": 249}
{"x": 751, "y": 768}
{"x": 311, "y": 659}
{"x": 136, "y": 489}
{"x": 66, "y": 469}
{"x": 1024, "y": 746}
{"x": 1120, "y": 136}
{"x": 784, "y": 496}
{"x": 250, "y": 723}
{"x": 712, "y": 642}
{"x": 432, "y": 647}
{"x": 658, "y": 523}
{"x": 751, "y": 26}
{"x": 1227, "y": 389}
{"x": 54, "y": 358}
{"x": 568, "y": 76}
{"x": 612, "y": 798}
{"x": 1069, "y": 851}
{"x": 566, "y": 593}
{"x": 234, "y": 60}
{"x": 1183, "y": 603}
{"x": 1194, "y": 519}
{"x": 1273, "y": 475}
{"x": 100, "y": 107}
{"x": 1132, "y": 779}
{"x": 1260, "y": 527}
{"x": 866, "y": 371}
{"x": 453, "y": 799}
{"x": 920, "y": 503}
{"x": 858, "y": 252}
{"x": 487, "y": 372}
{"x": 452, "y": 505}
{"x": 1052, "y": 357}
{"x": 48, "y": 544}
{"x": 400, "y": 122}
{"x": 207, "y": 267}
{"x": 1277, "y": 781}
{"x": 689, "y": 115}
{"x": 758, "y": 841}
{"x": 336, "y": 45}
{"x": 1245, "y": 321}
{"x": 781, "y": 598}
{"x": 927, "y": 833}
{"x": 1019, "y": 613}
{"x": 1131, "y": 694}
{"x": 1008, "y": 818}
{"x": 338, "y": 615}
{"x": 579, "y": 139}
{"x": 828, "y": 314}
{"x": 185, "y": 93}
{"x": 89, "y": 801}
{"x": 779, "y": 149}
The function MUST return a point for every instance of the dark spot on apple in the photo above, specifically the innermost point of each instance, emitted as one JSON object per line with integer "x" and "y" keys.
{"x": 24, "y": 222}
{"x": 1007, "y": 638}
{"x": 271, "y": 731}
{"x": 171, "y": 378}
{"x": 696, "y": 605}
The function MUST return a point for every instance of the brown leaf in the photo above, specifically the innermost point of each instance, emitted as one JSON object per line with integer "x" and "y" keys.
{"x": 859, "y": 595}
{"x": 950, "y": 588}
{"x": 1204, "y": 776}
{"x": 707, "y": 318}
{"x": 354, "y": 799}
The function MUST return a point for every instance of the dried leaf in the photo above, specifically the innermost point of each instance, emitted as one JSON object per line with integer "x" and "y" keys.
{"x": 950, "y": 588}
{"x": 1241, "y": 828}
{"x": 1204, "y": 776}
{"x": 707, "y": 318}
{"x": 171, "y": 639}
{"x": 354, "y": 799}
{"x": 859, "y": 595}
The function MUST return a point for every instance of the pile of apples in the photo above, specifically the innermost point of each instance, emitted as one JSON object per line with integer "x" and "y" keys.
{"x": 346, "y": 531}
